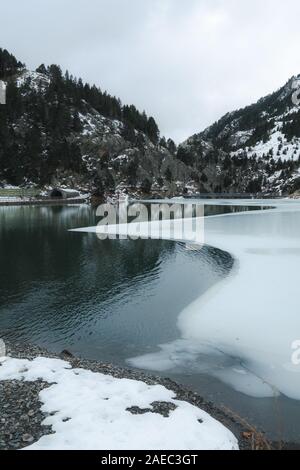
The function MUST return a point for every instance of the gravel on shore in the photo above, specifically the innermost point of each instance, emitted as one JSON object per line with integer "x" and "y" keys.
{"x": 21, "y": 417}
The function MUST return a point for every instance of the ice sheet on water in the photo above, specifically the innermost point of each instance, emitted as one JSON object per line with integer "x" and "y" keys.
{"x": 252, "y": 317}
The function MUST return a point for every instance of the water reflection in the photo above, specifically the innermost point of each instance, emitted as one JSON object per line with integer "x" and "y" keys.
{"x": 103, "y": 299}
{"x": 111, "y": 300}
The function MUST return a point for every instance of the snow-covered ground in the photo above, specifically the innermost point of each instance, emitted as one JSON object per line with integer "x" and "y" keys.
{"x": 38, "y": 81}
{"x": 277, "y": 144}
{"x": 244, "y": 330}
{"x": 25, "y": 200}
{"x": 12, "y": 199}
{"x": 89, "y": 411}
{"x": 92, "y": 123}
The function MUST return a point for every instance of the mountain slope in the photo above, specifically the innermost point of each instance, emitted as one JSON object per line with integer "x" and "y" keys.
{"x": 55, "y": 130}
{"x": 255, "y": 149}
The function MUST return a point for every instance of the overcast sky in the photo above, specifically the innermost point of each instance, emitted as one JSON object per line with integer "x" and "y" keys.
{"x": 186, "y": 62}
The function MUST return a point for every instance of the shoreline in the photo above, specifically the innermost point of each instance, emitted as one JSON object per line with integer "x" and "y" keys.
{"x": 86, "y": 200}
{"x": 29, "y": 418}
{"x": 44, "y": 202}
{"x": 249, "y": 251}
{"x": 226, "y": 418}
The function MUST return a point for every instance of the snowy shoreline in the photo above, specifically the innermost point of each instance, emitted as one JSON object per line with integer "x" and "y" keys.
{"x": 245, "y": 340}
{"x": 134, "y": 410}
{"x": 16, "y": 201}
{"x": 244, "y": 248}
{"x": 23, "y": 201}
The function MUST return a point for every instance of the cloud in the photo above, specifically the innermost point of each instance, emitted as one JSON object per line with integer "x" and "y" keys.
{"x": 186, "y": 63}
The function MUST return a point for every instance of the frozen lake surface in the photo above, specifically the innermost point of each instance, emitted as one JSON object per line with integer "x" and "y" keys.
{"x": 245, "y": 329}
{"x": 222, "y": 320}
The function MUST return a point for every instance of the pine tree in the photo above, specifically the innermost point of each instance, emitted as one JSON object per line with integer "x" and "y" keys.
{"x": 146, "y": 186}
{"x": 168, "y": 175}
{"x": 171, "y": 146}
{"x": 152, "y": 130}
{"x": 42, "y": 69}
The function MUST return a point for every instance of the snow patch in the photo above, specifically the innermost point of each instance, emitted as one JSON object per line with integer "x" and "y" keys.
{"x": 38, "y": 81}
{"x": 89, "y": 411}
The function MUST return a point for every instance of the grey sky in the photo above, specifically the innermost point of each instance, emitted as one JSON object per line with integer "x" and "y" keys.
{"x": 186, "y": 62}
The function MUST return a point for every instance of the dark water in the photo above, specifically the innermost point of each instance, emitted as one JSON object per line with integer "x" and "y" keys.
{"x": 107, "y": 300}
{"x": 111, "y": 300}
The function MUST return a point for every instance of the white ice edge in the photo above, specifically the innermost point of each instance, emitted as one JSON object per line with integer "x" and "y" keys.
{"x": 88, "y": 411}
{"x": 242, "y": 330}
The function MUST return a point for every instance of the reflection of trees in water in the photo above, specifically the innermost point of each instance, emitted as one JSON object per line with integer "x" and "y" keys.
{"x": 220, "y": 210}
{"x": 29, "y": 218}
{"x": 57, "y": 286}
{"x": 36, "y": 250}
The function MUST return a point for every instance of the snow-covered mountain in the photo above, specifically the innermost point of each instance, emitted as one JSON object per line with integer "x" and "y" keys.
{"x": 255, "y": 149}
{"x": 56, "y": 130}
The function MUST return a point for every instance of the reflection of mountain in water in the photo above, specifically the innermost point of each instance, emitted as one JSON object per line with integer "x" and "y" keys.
{"x": 226, "y": 209}
{"x": 37, "y": 247}
{"x": 105, "y": 299}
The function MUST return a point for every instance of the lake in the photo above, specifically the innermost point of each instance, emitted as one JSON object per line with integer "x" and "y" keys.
{"x": 137, "y": 302}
